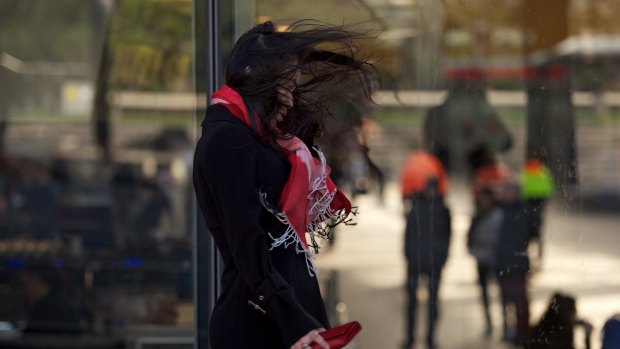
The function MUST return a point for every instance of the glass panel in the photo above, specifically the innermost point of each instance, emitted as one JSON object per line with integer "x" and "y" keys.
{"x": 519, "y": 102}
{"x": 97, "y": 128}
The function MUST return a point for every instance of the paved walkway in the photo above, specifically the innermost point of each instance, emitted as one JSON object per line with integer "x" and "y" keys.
{"x": 581, "y": 257}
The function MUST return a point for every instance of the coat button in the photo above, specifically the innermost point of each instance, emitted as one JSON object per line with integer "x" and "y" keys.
{"x": 261, "y": 298}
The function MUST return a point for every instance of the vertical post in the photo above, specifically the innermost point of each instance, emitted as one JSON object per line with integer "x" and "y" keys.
{"x": 550, "y": 114}
{"x": 206, "y": 79}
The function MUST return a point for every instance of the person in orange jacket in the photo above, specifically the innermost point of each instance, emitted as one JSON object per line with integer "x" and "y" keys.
{"x": 488, "y": 173}
{"x": 419, "y": 166}
{"x": 427, "y": 236}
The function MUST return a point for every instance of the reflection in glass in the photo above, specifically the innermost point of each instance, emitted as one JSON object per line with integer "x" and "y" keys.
{"x": 96, "y": 133}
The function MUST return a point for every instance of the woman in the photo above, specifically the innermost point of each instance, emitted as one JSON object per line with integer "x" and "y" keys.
{"x": 261, "y": 185}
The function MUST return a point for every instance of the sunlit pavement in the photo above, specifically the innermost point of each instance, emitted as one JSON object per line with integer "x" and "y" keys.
{"x": 581, "y": 258}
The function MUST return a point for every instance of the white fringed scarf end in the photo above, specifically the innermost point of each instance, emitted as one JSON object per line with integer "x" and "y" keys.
{"x": 289, "y": 237}
{"x": 321, "y": 218}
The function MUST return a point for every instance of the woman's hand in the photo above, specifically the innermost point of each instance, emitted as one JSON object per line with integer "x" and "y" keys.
{"x": 311, "y": 337}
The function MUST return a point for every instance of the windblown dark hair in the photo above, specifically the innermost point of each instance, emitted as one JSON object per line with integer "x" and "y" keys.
{"x": 327, "y": 55}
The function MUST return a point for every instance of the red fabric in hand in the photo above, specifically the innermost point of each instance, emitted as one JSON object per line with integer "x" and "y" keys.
{"x": 339, "y": 336}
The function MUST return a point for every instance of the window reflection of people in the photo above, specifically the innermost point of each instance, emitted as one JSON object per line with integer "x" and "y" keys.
{"x": 35, "y": 199}
{"x": 151, "y": 208}
{"x": 261, "y": 184}
{"x": 50, "y": 310}
{"x": 143, "y": 211}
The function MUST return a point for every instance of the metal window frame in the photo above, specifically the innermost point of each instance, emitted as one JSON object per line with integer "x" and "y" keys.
{"x": 206, "y": 38}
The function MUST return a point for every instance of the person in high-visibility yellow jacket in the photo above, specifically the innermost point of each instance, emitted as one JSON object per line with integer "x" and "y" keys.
{"x": 537, "y": 186}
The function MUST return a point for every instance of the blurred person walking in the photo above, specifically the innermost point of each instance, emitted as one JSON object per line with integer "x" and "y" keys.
{"x": 464, "y": 121}
{"x": 513, "y": 264}
{"x": 488, "y": 176}
{"x": 537, "y": 186}
{"x": 482, "y": 242}
{"x": 488, "y": 172}
{"x": 427, "y": 236}
{"x": 35, "y": 199}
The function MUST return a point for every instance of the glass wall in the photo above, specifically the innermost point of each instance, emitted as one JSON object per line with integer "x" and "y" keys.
{"x": 498, "y": 91}
{"x": 97, "y": 129}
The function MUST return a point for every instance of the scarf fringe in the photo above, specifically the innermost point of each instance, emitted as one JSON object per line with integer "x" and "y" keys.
{"x": 322, "y": 228}
{"x": 323, "y": 219}
{"x": 290, "y": 237}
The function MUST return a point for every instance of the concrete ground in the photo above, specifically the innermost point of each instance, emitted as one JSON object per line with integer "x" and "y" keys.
{"x": 581, "y": 258}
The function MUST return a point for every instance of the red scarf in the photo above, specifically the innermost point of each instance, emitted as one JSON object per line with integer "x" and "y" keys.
{"x": 309, "y": 197}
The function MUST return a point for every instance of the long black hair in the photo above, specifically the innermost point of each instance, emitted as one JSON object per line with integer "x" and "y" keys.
{"x": 263, "y": 58}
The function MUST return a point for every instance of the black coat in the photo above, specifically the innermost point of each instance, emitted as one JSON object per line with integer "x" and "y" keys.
{"x": 427, "y": 233}
{"x": 269, "y": 299}
{"x": 512, "y": 258}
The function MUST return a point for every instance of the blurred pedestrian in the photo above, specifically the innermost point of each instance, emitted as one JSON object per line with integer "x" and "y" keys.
{"x": 427, "y": 237}
{"x": 489, "y": 175}
{"x": 419, "y": 166}
{"x": 35, "y": 200}
{"x": 555, "y": 330}
{"x": 488, "y": 172}
{"x": 537, "y": 186}
{"x": 344, "y": 140}
{"x": 513, "y": 264}
{"x": 482, "y": 242}
{"x": 464, "y": 121}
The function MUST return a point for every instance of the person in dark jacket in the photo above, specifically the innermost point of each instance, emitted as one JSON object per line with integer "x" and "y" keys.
{"x": 482, "y": 239}
{"x": 263, "y": 187}
{"x": 512, "y": 262}
{"x": 427, "y": 239}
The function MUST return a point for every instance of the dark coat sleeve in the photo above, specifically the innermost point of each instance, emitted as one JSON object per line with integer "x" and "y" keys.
{"x": 427, "y": 233}
{"x": 230, "y": 177}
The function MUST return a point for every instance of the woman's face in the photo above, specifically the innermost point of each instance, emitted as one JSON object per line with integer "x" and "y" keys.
{"x": 285, "y": 95}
